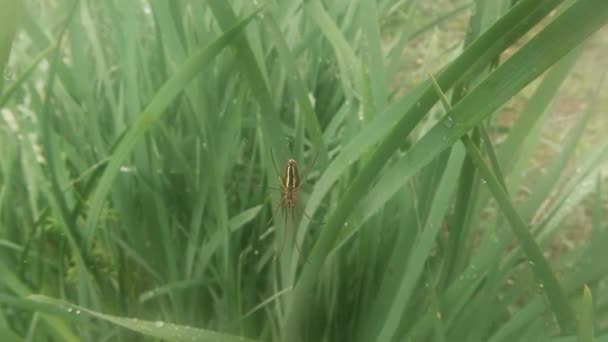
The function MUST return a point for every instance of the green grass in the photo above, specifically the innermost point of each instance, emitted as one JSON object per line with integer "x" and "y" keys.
{"x": 136, "y": 173}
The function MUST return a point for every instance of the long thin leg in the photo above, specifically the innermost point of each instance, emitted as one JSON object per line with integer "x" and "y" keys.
{"x": 310, "y": 218}
{"x": 305, "y": 172}
{"x": 278, "y": 254}
{"x": 276, "y": 169}
{"x": 274, "y": 212}
{"x": 300, "y": 207}
{"x": 295, "y": 236}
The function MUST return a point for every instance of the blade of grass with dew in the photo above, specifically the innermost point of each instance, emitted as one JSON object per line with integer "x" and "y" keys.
{"x": 158, "y": 329}
{"x": 12, "y": 283}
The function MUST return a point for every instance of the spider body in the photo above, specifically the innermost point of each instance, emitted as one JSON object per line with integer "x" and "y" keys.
{"x": 290, "y": 183}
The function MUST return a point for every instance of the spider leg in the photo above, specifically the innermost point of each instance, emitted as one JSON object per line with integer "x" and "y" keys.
{"x": 301, "y": 208}
{"x": 295, "y": 236}
{"x": 276, "y": 169}
{"x": 278, "y": 253}
{"x": 274, "y": 212}
{"x": 305, "y": 173}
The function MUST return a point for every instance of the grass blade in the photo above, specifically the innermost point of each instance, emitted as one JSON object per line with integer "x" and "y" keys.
{"x": 158, "y": 329}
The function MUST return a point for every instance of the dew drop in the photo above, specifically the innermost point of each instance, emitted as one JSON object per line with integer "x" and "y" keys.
{"x": 159, "y": 324}
{"x": 448, "y": 122}
{"x": 78, "y": 312}
{"x": 70, "y": 310}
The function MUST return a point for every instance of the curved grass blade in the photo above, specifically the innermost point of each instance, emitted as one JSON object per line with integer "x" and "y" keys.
{"x": 13, "y": 284}
{"x": 158, "y": 329}
{"x": 15, "y": 85}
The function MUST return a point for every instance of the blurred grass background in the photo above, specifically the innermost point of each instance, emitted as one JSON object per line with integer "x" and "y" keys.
{"x": 458, "y": 192}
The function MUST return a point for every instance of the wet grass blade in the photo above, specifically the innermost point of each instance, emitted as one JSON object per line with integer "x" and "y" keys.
{"x": 157, "y": 329}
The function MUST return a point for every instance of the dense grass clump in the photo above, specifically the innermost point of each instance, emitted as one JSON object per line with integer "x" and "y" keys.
{"x": 137, "y": 180}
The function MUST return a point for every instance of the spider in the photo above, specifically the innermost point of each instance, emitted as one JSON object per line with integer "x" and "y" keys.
{"x": 290, "y": 183}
